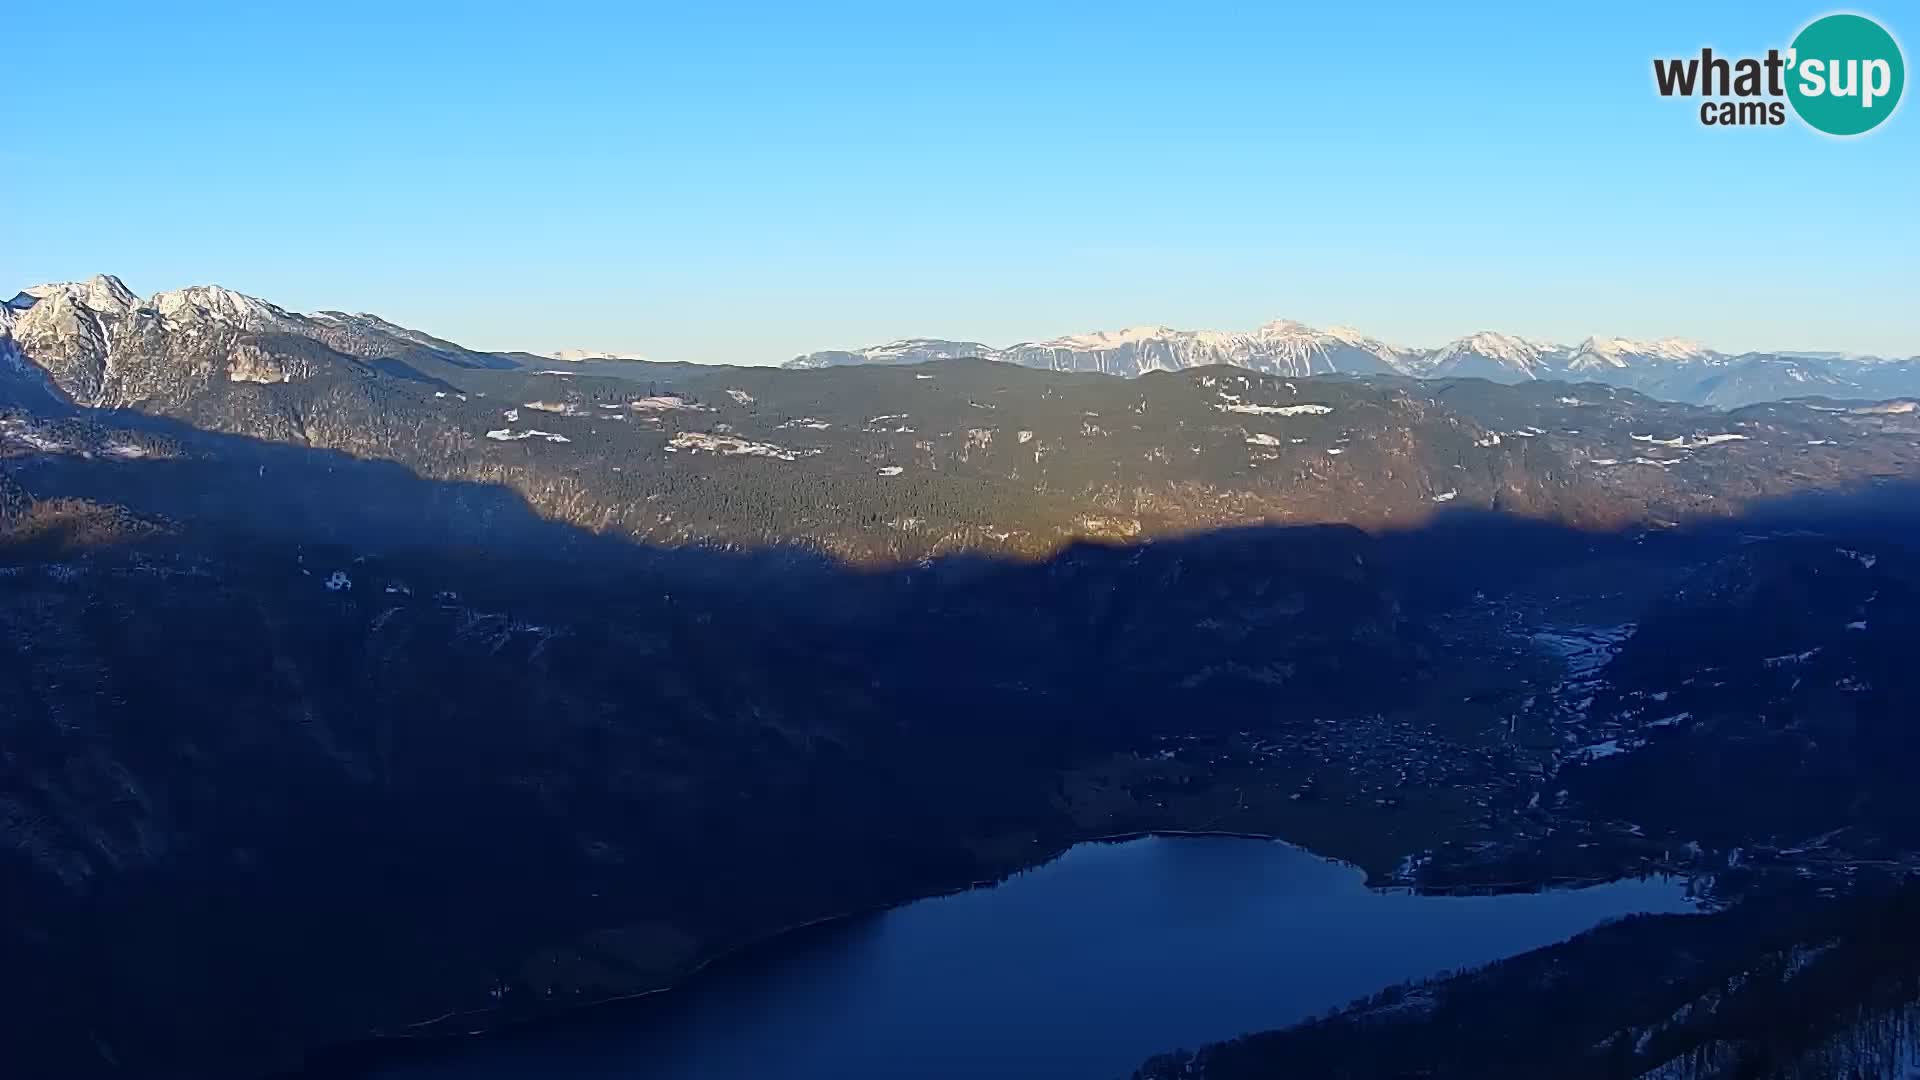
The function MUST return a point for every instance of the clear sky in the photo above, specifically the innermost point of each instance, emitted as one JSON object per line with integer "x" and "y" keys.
{"x": 745, "y": 182}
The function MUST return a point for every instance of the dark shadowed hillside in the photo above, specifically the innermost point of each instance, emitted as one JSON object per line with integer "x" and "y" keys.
{"x": 363, "y": 687}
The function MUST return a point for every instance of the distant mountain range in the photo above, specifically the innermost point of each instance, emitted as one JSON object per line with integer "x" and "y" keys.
{"x": 577, "y": 356}
{"x": 1671, "y": 368}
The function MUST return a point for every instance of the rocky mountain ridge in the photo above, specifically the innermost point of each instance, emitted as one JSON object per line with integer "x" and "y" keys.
{"x": 85, "y": 315}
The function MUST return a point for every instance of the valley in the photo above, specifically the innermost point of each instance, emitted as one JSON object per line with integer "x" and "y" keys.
{"x": 415, "y": 691}
{"x": 1032, "y": 542}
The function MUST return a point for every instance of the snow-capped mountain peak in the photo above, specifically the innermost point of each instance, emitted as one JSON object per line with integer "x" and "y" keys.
{"x": 1489, "y": 353}
{"x": 97, "y": 344}
{"x": 939, "y": 348}
{"x": 1112, "y": 339}
{"x": 1281, "y": 328}
{"x": 218, "y": 304}
{"x": 1283, "y": 347}
{"x": 101, "y": 292}
{"x": 1349, "y": 334}
{"x": 1504, "y": 346}
{"x": 78, "y": 337}
{"x": 1598, "y": 352}
{"x": 1305, "y": 349}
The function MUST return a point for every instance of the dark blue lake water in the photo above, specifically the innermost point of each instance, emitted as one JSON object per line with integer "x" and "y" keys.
{"x": 1076, "y": 970}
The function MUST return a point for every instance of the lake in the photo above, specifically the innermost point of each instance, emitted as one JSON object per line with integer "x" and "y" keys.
{"x": 1075, "y": 970}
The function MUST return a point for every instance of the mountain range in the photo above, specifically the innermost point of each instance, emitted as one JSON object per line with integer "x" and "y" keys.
{"x": 364, "y": 685}
{"x": 877, "y": 463}
{"x": 1672, "y": 368}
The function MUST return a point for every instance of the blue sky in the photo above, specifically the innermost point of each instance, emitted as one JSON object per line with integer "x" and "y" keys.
{"x": 742, "y": 183}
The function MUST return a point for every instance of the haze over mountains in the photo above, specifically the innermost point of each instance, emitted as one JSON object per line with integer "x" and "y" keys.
{"x": 1673, "y": 369}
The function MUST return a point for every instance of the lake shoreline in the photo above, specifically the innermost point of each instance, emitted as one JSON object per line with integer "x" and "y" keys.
{"x": 353, "y": 1057}
{"x": 426, "y": 1038}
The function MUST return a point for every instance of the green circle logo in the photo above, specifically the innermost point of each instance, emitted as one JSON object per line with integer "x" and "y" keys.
{"x": 1845, "y": 73}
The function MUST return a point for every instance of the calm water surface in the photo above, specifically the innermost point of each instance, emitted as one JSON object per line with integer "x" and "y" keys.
{"x": 1077, "y": 970}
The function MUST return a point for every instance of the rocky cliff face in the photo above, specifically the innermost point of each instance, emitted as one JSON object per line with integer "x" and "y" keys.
{"x": 102, "y": 347}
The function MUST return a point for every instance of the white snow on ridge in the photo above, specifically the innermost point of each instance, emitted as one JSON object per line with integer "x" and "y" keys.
{"x": 1288, "y": 347}
{"x": 663, "y": 403}
{"x": 101, "y": 292}
{"x": 1596, "y": 352}
{"x": 1681, "y": 442}
{"x": 1281, "y": 345}
{"x": 1277, "y": 410}
{"x": 38, "y": 441}
{"x": 1865, "y": 560}
{"x": 1110, "y": 339}
{"x": 1600, "y": 750}
{"x": 218, "y": 304}
{"x": 1789, "y": 659}
{"x": 731, "y": 446}
{"x": 924, "y": 349}
{"x": 1529, "y": 358}
{"x": 575, "y": 356}
{"x": 509, "y": 435}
